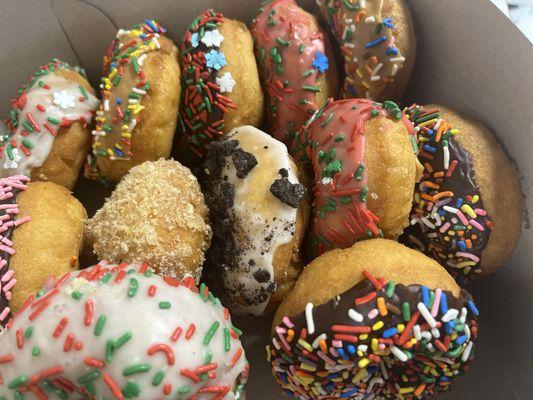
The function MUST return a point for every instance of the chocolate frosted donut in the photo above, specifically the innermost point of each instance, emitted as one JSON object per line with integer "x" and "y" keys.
{"x": 364, "y": 164}
{"x": 395, "y": 326}
{"x": 120, "y": 332}
{"x": 459, "y": 216}
{"x": 297, "y": 70}
{"x": 221, "y": 88}
{"x": 377, "y": 43}
{"x": 258, "y": 213}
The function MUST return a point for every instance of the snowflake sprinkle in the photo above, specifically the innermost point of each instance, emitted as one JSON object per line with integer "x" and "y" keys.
{"x": 215, "y": 59}
{"x": 226, "y": 82}
{"x": 212, "y": 38}
{"x": 320, "y": 62}
{"x": 194, "y": 40}
{"x": 64, "y": 100}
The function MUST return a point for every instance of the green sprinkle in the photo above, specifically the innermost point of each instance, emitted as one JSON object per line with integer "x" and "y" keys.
{"x": 83, "y": 92}
{"x": 100, "y": 323}
{"x": 308, "y": 73}
{"x": 363, "y": 193}
{"x": 109, "y": 350}
{"x": 164, "y": 305}
{"x": 28, "y": 126}
{"x": 345, "y": 199}
{"x": 327, "y": 120}
{"x": 19, "y": 380}
{"x": 330, "y": 155}
{"x": 53, "y": 120}
{"x": 89, "y": 377}
{"x": 26, "y": 142}
{"x": 374, "y": 113}
{"x": 406, "y": 311}
{"x": 426, "y": 118}
{"x": 279, "y": 69}
{"x": 310, "y": 88}
{"x": 302, "y": 48}
{"x": 28, "y": 332}
{"x": 131, "y": 389}
{"x": 77, "y": 295}
{"x": 211, "y": 332}
{"x": 339, "y": 138}
{"x": 237, "y": 331}
{"x": 390, "y": 289}
{"x": 36, "y": 351}
{"x": 350, "y": 6}
{"x": 136, "y": 368}
{"x": 184, "y": 390}
{"x": 121, "y": 341}
{"x": 359, "y": 172}
{"x": 227, "y": 343}
{"x": 106, "y": 277}
{"x": 134, "y": 286}
{"x": 158, "y": 378}
{"x": 282, "y": 42}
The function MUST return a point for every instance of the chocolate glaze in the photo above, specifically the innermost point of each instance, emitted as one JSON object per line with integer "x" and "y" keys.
{"x": 287, "y": 192}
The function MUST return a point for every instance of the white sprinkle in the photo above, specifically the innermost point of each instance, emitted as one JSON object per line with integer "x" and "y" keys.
{"x": 157, "y": 45}
{"x": 362, "y": 347}
{"x": 394, "y": 70}
{"x": 98, "y": 133}
{"x": 133, "y": 124}
{"x": 435, "y": 332}
{"x": 106, "y": 105}
{"x": 417, "y": 333}
{"x": 350, "y": 45}
{"x": 467, "y": 351}
{"x": 357, "y": 317}
{"x": 427, "y": 222}
{"x": 462, "y": 318}
{"x": 397, "y": 59}
{"x": 417, "y": 241}
{"x": 309, "y": 318}
{"x": 316, "y": 342}
{"x": 467, "y": 332}
{"x": 133, "y": 101}
{"x": 141, "y": 59}
{"x": 384, "y": 370}
{"x": 430, "y": 347}
{"x": 446, "y": 152}
{"x": 426, "y": 314}
{"x": 139, "y": 91}
{"x": 400, "y": 355}
{"x": 451, "y": 314}
{"x": 362, "y": 4}
{"x": 377, "y": 69}
{"x": 369, "y": 20}
{"x": 451, "y": 209}
{"x": 375, "y": 78}
{"x": 426, "y": 335}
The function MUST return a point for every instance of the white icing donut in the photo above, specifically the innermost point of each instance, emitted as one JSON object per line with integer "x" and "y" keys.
{"x": 123, "y": 332}
{"x": 47, "y": 103}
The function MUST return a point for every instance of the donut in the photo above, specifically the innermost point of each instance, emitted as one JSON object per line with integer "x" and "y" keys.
{"x": 259, "y": 212}
{"x": 47, "y": 132}
{"x": 121, "y": 331}
{"x": 140, "y": 98}
{"x": 294, "y": 60}
{"x": 377, "y": 44}
{"x": 389, "y": 323}
{"x": 41, "y": 234}
{"x": 157, "y": 215}
{"x": 467, "y": 211}
{"x": 221, "y": 88}
{"x": 363, "y": 156}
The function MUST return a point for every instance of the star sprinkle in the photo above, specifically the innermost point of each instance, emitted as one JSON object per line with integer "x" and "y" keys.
{"x": 226, "y": 82}
{"x": 63, "y": 99}
{"x": 320, "y": 62}
{"x": 212, "y": 38}
{"x": 215, "y": 59}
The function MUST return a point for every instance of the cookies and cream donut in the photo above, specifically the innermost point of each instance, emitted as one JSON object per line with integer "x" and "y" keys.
{"x": 374, "y": 321}
{"x": 120, "y": 331}
{"x": 47, "y": 135}
{"x": 140, "y": 98}
{"x": 467, "y": 211}
{"x": 41, "y": 231}
{"x": 294, "y": 61}
{"x": 363, "y": 155}
{"x": 258, "y": 212}
{"x": 221, "y": 88}
{"x": 377, "y": 44}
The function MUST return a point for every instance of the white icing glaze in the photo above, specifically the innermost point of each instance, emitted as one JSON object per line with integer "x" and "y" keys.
{"x": 61, "y": 100}
{"x": 140, "y": 314}
{"x": 258, "y": 213}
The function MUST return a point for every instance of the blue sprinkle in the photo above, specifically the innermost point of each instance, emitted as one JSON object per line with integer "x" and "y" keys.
{"x": 392, "y": 51}
{"x": 151, "y": 25}
{"x": 390, "y": 333}
{"x": 459, "y": 202}
{"x": 388, "y": 23}
{"x": 283, "y": 378}
{"x": 343, "y": 354}
{"x": 348, "y": 394}
{"x": 443, "y": 304}
{"x": 460, "y": 340}
{"x": 462, "y": 245}
{"x": 373, "y": 43}
{"x": 372, "y": 370}
{"x": 329, "y": 387}
{"x": 430, "y": 149}
{"x": 425, "y": 295}
{"x": 320, "y": 62}
{"x": 430, "y": 133}
{"x": 444, "y": 379}
{"x": 118, "y": 101}
{"x": 351, "y": 349}
{"x": 118, "y": 152}
{"x": 448, "y": 327}
{"x": 473, "y": 307}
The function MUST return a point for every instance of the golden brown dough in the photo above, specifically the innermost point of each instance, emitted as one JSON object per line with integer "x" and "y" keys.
{"x": 156, "y": 215}
{"x": 50, "y": 122}
{"x": 50, "y": 243}
{"x": 377, "y": 43}
{"x": 141, "y": 126}
{"x": 221, "y": 88}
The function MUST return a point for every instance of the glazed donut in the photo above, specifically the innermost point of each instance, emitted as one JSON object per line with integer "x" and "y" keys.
{"x": 140, "y": 98}
{"x": 120, "y": 331}
{"x": 47, "y": 134}
{"x": 294, "y": 60}
{"x": 378, "y": 45}
{"x": 41, "y": 234}
{"x": 259, "y": 213}
{"x": 460, "y": 216}
{"x": 157, "y": 215}
{"x": 364, "y": 170}
{"x": 389, "y": 323}
{"x": 221, "y": 88}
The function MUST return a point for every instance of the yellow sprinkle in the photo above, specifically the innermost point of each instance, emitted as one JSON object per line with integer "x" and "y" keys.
{"x": 430, "y": 122}
{"x": 407, "y": 390}
{"x": 126, "y": 134}
{"x": 377, "y": 326}
{"x": 110, "y": 152}
{"x": 305, "y": 345}
{"x": 475, "y": 198}
{"x": 363, "y": 336}
{"x": 468, "y": 210}
{"x": 112, "y": 74}
{"x": 465, "y": 264}
{"x": 374, "y": 344}
{"x": 363, "y": 362}
{"x": 359, "y": 73}
{"x": 307, "y": 367}
{"x": 360, "y": 375}
{"x": 365, "y": 84}
{"x": 454, "y": 131}
{"x": 400, "y": 328}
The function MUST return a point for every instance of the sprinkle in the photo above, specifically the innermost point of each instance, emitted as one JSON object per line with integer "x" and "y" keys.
{"x": 309, "y": 318}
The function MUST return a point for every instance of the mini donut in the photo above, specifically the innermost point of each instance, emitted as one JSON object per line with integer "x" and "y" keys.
{"x": 467, "y": 211}
{"x": 377, "y": 44}
{"x": 389, "y": 323}
{"x": 140, "y": 98}
{"x": 41, "y": 234}
{"x": 294, "y": 60}
{"x": 363, "y": 157}
{"x": 259, "y": 212}
{"x": 47, "y": 135}
{"x": 157, "y": 215}
{"x": 221, "y": 88}
{"x": 120, "y": 331}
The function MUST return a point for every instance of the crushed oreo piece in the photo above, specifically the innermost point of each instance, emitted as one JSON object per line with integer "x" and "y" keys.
{"x": 287, "y": 192}
{"x": 262, "y": 276}
{"x": 244, "y": 162}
